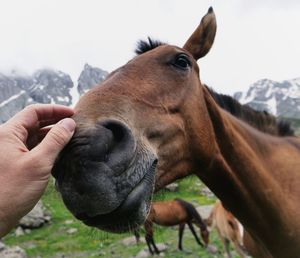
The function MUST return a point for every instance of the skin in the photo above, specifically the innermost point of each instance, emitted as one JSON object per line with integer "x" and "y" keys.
{"x": 28, "y": 150}
{"x": 173, "y": 119}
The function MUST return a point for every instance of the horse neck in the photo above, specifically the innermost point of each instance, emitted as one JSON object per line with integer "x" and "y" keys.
{"x": 198, "y": 220}
{"x": 193, "y": 214}
{"x": 200, "y": 223}
{"x": 240, "y": 175}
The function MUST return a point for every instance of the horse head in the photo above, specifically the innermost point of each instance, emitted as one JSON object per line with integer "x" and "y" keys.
{"x": 136, "y": 132}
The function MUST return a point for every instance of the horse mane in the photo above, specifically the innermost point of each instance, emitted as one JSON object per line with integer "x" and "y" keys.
{"x": 145, "y": 46}
{"x": 260, "y": 120}
{"x": 191, "y": 210}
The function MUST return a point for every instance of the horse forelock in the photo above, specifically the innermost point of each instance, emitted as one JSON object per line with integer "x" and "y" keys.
{"x": 261, "y": 120}
{"x": 145, "y": 46}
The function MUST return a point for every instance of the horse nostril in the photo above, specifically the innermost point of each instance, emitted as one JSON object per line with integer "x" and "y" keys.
{"x": 118, "y": 130}
{"x": 121, "y": 146}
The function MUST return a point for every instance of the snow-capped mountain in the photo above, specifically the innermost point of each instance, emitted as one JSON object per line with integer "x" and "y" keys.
{"x": 44, "y": 86}
{"x": 12, "y": 97}
{"x": 279, "y": 98}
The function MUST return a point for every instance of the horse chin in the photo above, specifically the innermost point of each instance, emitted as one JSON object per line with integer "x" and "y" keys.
{"x": 132, "y": 211}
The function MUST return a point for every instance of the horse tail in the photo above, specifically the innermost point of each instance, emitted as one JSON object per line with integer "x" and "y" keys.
{"x": 192, "y": 213}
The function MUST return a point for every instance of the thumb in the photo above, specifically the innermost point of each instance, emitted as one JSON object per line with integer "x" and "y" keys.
{"x": 56, "y": 139}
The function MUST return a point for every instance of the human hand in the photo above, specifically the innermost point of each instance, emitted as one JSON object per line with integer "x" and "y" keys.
{"x": 28, "y": 149}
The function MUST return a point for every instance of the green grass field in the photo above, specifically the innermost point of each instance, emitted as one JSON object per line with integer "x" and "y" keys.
{"x": 53, "y": 240}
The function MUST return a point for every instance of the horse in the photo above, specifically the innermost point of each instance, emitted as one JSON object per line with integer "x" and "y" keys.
{"x": 172, "y": 213}
{"x": 152, "y": 121}
{"x": 228, "y": 228}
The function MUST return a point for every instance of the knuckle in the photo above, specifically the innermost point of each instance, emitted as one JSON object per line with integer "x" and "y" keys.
{"x": 13, "y": 130}
{"x": 31, "y": 107}
{"x": 19, "y": 129}
{"x": 3, "y": 131}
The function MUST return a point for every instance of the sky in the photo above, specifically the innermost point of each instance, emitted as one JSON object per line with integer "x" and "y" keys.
{"x": 255, "y": 39}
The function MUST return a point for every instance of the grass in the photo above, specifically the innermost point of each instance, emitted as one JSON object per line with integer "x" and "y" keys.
{"x": 53, "y": 240}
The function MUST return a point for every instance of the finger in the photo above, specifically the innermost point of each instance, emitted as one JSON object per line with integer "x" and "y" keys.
{"x": 58, "y": 136}
{"x": 29, "y": 118}
{"x": 33, "y": 114}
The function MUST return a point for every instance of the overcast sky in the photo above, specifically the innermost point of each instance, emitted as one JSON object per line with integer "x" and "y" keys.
{"x": 255, "y": 38}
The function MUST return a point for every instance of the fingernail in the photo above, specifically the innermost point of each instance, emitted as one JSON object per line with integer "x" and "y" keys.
{"x": 68, "y": 123}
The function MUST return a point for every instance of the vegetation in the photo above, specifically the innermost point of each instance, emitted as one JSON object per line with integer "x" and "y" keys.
{"x": 53, "y": 239}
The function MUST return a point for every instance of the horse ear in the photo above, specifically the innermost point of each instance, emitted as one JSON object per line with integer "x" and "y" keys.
{"x": 203, "y": 37}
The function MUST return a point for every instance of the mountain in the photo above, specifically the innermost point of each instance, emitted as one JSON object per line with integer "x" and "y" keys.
{"x": 44, "y": 86}
{"x": 90, "y": 77}
{"x": 51, "y": 86}
{"x": 279, "y": 98}
{"x": 12, "y": 97}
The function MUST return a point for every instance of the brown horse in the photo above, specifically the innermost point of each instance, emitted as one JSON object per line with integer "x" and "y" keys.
{"x": 228, "y": 228}
{"x": 172, "y": 213}
{"x": 151, "y": 122}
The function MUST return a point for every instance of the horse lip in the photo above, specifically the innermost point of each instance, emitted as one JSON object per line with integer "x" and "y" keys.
{"x": 112, "y": 221}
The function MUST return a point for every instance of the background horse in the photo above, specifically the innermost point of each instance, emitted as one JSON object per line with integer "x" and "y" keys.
{"x": 172, "y": 213}
{"x": 228, "y": 228}
{"x": 151, "y": 122}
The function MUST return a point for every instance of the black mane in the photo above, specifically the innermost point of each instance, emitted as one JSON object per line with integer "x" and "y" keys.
{"x": 144, "y": 46}
{"x": 261, "y": 120}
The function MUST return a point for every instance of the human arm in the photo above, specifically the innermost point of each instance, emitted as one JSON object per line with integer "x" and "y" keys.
{"x": 28, "y": 149}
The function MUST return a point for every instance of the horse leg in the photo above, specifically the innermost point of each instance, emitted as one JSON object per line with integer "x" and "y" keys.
{"x": 226, "y": 243}
{"x": 149, "y": 246}
{"x": 239, "y": 249}
{"x": 137, "y": 235}
{"x": 150, "y": 241}
{"x": 194, "y": 233}
{"x": 155, "y": 247}
{"x": 149, "y": 237}
{"x": 181, "y": 230}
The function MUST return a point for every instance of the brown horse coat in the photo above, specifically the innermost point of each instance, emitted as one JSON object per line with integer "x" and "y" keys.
{"x": 151, "y": 122}
{"x": 172, "y": 213}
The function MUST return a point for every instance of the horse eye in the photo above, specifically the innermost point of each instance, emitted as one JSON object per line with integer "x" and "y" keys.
{"x": 182, "y": 61}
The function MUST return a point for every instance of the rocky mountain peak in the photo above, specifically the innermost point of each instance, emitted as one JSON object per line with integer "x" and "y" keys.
{"x": 57, "y": 85}
{"x": 90, "y": 77}
{"x": 44, "y": 86}
{"x": 279, "y": 98}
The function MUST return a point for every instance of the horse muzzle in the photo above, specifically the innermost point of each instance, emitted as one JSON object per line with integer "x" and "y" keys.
{"x": 104, "y": 175}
